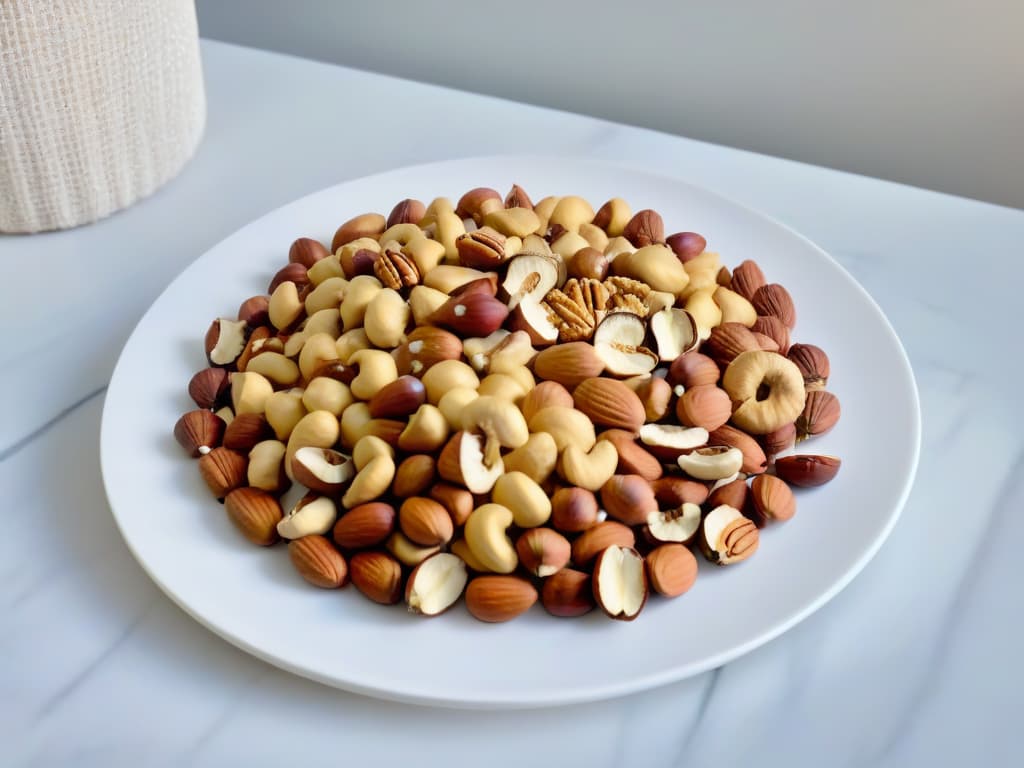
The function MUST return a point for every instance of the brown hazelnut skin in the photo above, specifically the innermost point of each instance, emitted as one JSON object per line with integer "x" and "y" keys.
{"x": 589, "y": 263}
{"x": 686, "y": 245}
{"x": 307, "y": 252}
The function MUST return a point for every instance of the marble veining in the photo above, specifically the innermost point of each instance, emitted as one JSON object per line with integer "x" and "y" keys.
{"x": 915, "y": 663}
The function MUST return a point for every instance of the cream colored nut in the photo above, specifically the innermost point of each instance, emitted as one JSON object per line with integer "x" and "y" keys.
{"x": 387, "y": 315}
{"x": 318, "y": 429}
{"x": 513, "y": 245}
{"x": 513, "y": 222}
{"x": 294, "y": 343}
{"x": 713, "y": 463}
{"x": 502, "y": 386}
{"x": 570, "y": 212}
{"x": 354, "y": 422}
{"x": 536, "y": 459}
{"x": 361, "y": 290}
{"x": 485, "y": 533}
{"x": 371, "y": 482}
{"x": 748, "y": 375}
{"x": 659, "y": 300}
{"x": 425, "y": 253}
{"x": 351, "y": 342}
{"x": 407, "y": 552}
{"x": 327, "y": 295}
{"x": 449, "y": 227}
{"x": 537, "y": 244}
{"x": 705, "y": 311}
{"x": 616, "y": 247}
{"x": 438, "y": 206}
{"x": 613, "y": 216}
{"x": 522, "y": 375}
{"x": 453, "y": 404}
{"x": 226, "y": 414}
{"x": 478, "y": 350}
{"x": 655, "y": 265}
{"x": 369, "y": 447}
{"x": 703, "y": 271}
{"x": 447, "y": 277}
{"x": 284, "y": 410}
{"x": 501, "y": 422}
{"x": 285, "y": 307}
{"x": 325, "y": 269}
{"x": 266, "y": 466}
{"x": 567, "y": 425}
{"x": 426, "y": 431}
{"x": 461, "y": 549}
{"x": 376, "y": 369}
{"x": 425, "y": 301}
{"x": 595, "y": 236}
{"x": 735, "y": 308}
{"x": 319, "y": 348}
{"x": 520, "y": 493}
{"x": 446, "y": 375}
{"x": 544, "y": 208}
{"x": 249, "y": 392}
{"x": 568, "y": 243}
{"x": 515, "y": 352}
{"x": 325, "y": 321}
{"x": 403, "y": 234}
{"x": 326, "y": 394}
{"x": 588, "y": 470}
{"x": 346, "y": 252}
{"x": 311, "y": 516}
{"x": 277, "y": 368}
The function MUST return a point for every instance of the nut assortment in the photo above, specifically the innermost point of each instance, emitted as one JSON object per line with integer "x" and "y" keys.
{"x": 507, "y": 402}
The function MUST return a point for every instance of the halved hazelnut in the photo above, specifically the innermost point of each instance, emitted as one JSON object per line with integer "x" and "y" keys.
{"x": 675, "y": 332}
{"x": 620, "y": 582}
{"x": 312, "y": 514}
{"x": 436, "y": 584}
{"x": 807, "y": 471}
{"x": 225, "y": 341}
{"x": 678, "y": 525}
{"x": 323, "y": 470}
{"x": 727, "y": 536}
{"x": 462, "y": 462}
{"x": 673, "y": 437}
{"x": 530, "y": 276}
{"x": 618, "y": 341}
{"x": 712, "y": 463}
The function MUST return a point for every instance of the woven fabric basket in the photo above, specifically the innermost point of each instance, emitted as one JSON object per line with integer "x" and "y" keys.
{"x": 101, "y": 102}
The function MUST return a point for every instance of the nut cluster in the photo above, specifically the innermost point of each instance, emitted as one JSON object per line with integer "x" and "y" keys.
{"x": 509, "y": 402}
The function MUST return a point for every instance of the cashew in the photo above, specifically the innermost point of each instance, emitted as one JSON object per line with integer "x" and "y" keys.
{"x": 520, "y": 493}
{"x": 447, "y": 375}
{"x": 319, "y": 429}
{"x": 588, "y": 470}
{"x": 567, "y": 425}
{"x": 361, "y": 289}
{"x": 712, "y": 463}
{"x": 249, "y": 392}
{"x": 426, "y": 253}
{"x": 318, "y": 349}
{"x": 502, "y": 386}
{"x": 705, "y": 312}
{"x": 534, "y": 243}
{"x": 359, "y": 244}
{"x": 502, "y": 424}
{"x": 284, "y": 409}
{"x": 351, "y": 342}
{"x": 655, "y": 265}
{"x": 513, "y": 222}
{"x": 613, "y": 216}
{"x": 513, "y": 245}
{"x": 274, "y": 366}
{"x": 447, "y": 277}
{"x": 403, "y": 234}
{"x": 325, "y": 269}
{"x": 703, "y": 271}
{"x": 326, "y": 394}
{"x": 266, "y": 462}
{"x": 376, "y": 369}
{"x": 571, "y": 212}
{"x": 325, "y": 321}
{"x": 354, "y": 423}
{"x": 748, "y": 376}
{"x": 407, "y": 552}
{"x": 461, "y": 549}
{"x": 424, "y": 301}
{"x": 568, "y": 243}
{"x": 449, "y": 228}
{"x": 312, "y": 515}
{"x": 453, "y": 404}
{"x": 426, "y": 431}
{"x": 478, "y": 350}
{"x": 386, "y": 317}
{"x": 616, "y": 247}
{"x": 371, "y": 482}
{"x": 522, "y": 375}
{"x": 594, "y": 235}
{"x": 437, "y": 207}
{"x": 327, "y": 295}
{"x": 544, "y": 208}
{"x": 659, "y": 300}
{"x": 536, "y": 458}
{"x": 487, "y": 540}
{"x": 369, "y": 447}
{"x": 513, "y": 352}
{"x": 735, "y": 308}
{"x": 294, "y": 343}
{"x": 284, "y": 307}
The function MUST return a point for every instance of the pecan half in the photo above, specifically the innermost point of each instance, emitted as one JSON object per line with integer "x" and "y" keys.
{"x": 396, "y": 270}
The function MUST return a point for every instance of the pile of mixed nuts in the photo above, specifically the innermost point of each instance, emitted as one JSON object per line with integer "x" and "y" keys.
{"x": 509, "y": 401}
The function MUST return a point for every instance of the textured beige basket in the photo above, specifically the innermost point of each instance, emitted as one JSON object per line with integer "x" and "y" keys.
{"x": 101, "y": 102}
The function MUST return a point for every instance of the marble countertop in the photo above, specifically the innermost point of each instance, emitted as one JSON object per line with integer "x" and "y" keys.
{"x": 915, "y": 663}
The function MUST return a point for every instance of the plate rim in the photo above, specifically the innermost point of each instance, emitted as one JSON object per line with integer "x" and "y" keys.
{"x": 594, "y": 692}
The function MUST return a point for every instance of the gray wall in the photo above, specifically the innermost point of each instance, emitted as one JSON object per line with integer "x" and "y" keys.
{"x": 928, "y": 92}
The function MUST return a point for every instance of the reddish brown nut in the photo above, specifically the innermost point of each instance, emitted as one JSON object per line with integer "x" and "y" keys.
{"x": 366, "y": 525}
{"x": 705, "y": 406}
{"x": 358, "y": 262}
{"x": 398, "y": 399}
{"x": 774, "y": 329}
{"x": 620, "y": 582}
{"x": 656, "y": 395}
{"x": 779, "y": 440}
{"x": 567, "y": 593}
{"x": 517, "y": 198}
{"x": 772, "y": 498}
{"x": 820, "y": 414}
{"x": 733, "y": 494}
{"x": 255, "y": 311}
{"x": 223, "y": 470}
{"x": 727, "y": 341}
{"x": 813, "y": 364}
{"x": 645, "y": 228}
{"x": 634, "y": 459}
{"x": 408, "y": 211}
{"x": 255, "y": 514}
{"x": 289, "y": 273}
{"x": 245, "y": 430}
{"x": 210, "y": 388}
{"x": 499, "y": 598}
{"x": 628, "y": 498}
{"x": 673, "y": 491}
{"x": 364, "y": 225}
{"x": 692, "y": 370}
{"x": 609, "y": 403}
{"x": 671, "y": 569}
{"x": 754, "y": 459}
{"x": 773, "y": 299}
{"x": 318, "y": 562}
{"x": 542, "y": 551}
{"x": 377, "y": 575}
{"x": 414, "y": 476}
{"x": 425, "y": 522}
{"x": 589, "y": 263}
{"x": 686, "y": 245}
{"x": 805, "y": 471}
{"x": 458, "y": 501}
{"x": 199, "y": 432}
{"x": 225, "y": 340}
{"x": 746, "y": 279}
{"x": 475, "y": 203}
{"x": 599, "y": 537}
{"x": 573, "y": 509}
{"x": 307, "y": 252}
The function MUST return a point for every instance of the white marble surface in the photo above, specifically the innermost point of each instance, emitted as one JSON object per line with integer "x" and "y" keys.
{"x": 915, "y": 663}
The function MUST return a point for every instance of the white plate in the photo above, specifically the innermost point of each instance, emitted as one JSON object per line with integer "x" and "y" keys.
{"x": 252, "y": 597}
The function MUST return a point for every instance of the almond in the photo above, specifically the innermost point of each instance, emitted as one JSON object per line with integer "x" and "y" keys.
{"x": 414, "y": 475}
{"x": 499, "y": 598}
{"x": 542, "y": 551}
{"x": 255, "y": 514}
{"x": 773, "y": 299}
{"x": 599, "y": 537}
{"x": 223, "y": 470}
{"x": 645, "y": 228}
{"x": 245, "y": 430}
{"x": 398, "y": 399}
{"x": 746, "y": 279}
{"x": 733, "y": 494}
{"x": 634, "y": 459}
{"x": 377, "y": 575}
{"x": 672, "y": 569}
{"x": 567, "y": 593}
{"x": 620, "y": 582}
{"x": 609, "y": 403}
{"x": 774, "y": 329}
{"x": 458, "y": 501}
{"x": 820, "y": 414}
{"x": 727, "y": 341}
{"x": 365, "y": 525}
{"x": 318, "y": 562}
{"x": 568, "y": 364}
{"x": 425, "y": 521}
{"x": 812, "y": 362}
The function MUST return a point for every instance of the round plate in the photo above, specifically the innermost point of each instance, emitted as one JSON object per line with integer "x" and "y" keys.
{"x": 253, "y": 598}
